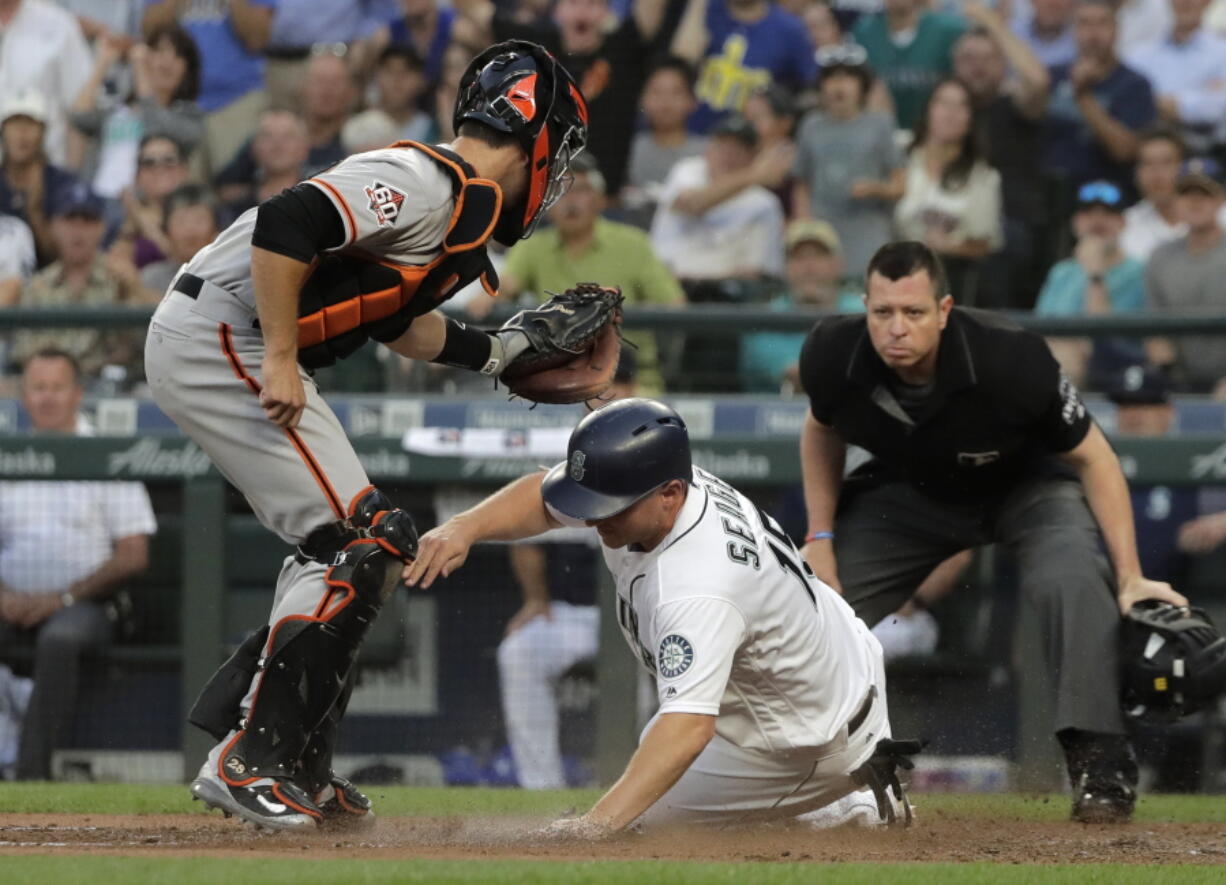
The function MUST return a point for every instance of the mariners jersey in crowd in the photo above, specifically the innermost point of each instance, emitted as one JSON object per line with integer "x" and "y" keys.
{"x": 729, "y": 620}
{"x": 393, "y": 201}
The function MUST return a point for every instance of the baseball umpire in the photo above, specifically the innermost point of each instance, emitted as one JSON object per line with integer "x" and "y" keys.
{"x": 772, "y": 692}
{"x": 976, "y": 437}
{"x": 366, "y": 249}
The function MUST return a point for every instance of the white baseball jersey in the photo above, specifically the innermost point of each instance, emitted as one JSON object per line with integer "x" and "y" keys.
{"x": 395, "y": 202}
{"x": 732, "y": 623}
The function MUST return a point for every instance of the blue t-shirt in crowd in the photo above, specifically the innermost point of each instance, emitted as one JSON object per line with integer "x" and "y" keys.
{"x": 1064, "y": 290}
{"x": 1063, "y": 294}
{"x": 299, "y": 24}
{"x": 1071, "y": 147}
{"x": 399, "y": 33}
{"x": 228, "y": 70}
{"x": 766, "y": 356}
{"x": 743, "y": 57}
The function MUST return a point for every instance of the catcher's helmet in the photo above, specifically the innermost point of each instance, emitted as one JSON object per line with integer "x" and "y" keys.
{"x": 617, "y": 456}
{"x": 1172, "y": 661}
{"x": 519, "y": 88}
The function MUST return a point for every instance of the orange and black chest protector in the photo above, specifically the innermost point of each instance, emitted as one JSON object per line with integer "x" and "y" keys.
{"x": 353, "y": 296}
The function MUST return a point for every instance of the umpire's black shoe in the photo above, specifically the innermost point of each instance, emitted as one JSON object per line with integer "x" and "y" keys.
{"x": 344, "y": 806}
{"x": 267, "y": 803}
{"x": 1103, "y": 771}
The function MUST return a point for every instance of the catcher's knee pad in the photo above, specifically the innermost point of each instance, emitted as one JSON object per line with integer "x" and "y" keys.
{"x": 219, "y": 706}
{"x": 371, "y": 517}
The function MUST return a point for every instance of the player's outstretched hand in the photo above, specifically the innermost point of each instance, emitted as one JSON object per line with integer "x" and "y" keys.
{"x": 1138, "y": 588}
{"x": 440, "y": 551}
{"x": 282, "y": 397}
{"x": 575, "y": 829}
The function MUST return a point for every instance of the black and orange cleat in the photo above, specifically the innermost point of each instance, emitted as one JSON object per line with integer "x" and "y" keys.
{"x": 271, "y": 804}
{"x": 344, "y": 806}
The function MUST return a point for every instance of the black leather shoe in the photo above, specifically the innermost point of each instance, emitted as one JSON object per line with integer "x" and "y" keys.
{"x": 1103, "y": 771}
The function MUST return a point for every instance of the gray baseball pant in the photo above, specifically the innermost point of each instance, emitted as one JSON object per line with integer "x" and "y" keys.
{"x": 204, "y": 372}
{"x": 889, "y": 536}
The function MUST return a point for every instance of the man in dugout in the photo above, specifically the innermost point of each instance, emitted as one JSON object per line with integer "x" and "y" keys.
{"x": 977, "y": 437}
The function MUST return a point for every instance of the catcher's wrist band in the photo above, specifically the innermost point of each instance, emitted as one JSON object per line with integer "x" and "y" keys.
{"x": 819, "y": 536}
{"x": 467, "y": 348}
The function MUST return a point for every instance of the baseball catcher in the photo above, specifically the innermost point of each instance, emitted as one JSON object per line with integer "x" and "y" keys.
{"x": 367, "y": 249}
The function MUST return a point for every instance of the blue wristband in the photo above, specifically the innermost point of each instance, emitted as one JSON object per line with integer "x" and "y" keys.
{"x": 819, "y": 536}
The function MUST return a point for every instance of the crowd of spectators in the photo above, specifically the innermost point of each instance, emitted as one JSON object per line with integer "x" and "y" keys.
{"x": 1061, "y": 155}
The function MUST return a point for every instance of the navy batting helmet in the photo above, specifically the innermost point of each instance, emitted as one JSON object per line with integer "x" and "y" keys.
{"x": 1172, "y": 661}
{"x": 617, "y": 456}
{"x": 519, "y": 88}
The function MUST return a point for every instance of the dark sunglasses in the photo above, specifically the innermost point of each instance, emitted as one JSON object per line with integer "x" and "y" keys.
{"x": 154, "y": 162}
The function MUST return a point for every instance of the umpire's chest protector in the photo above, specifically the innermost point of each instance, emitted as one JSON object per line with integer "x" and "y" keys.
{"x": 348, "y": 299}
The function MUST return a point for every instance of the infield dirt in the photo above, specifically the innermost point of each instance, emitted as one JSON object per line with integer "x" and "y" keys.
{"x": 935, "y": 838}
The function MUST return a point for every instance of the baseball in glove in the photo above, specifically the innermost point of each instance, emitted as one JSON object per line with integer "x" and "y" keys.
{"x": 573, "y": 346}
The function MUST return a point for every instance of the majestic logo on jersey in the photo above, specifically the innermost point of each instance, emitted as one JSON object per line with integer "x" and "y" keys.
{"x": 676, "y": 655}
{"x": 1072, "y": 408}
{"x": 384, "y": 203}
{"x": 576, "y": 465}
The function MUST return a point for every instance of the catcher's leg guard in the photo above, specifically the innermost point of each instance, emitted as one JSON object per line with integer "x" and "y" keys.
{"x": 218, "y": 708}
{"x": 309, "y": 657}
{"x": 316, "y": 769}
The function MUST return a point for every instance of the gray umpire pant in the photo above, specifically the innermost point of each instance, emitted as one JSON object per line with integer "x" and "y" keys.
{"x": 889, "y": 536}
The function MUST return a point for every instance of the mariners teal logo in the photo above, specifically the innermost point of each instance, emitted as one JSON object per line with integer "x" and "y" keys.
{"x": 676, "y": 655}
{"x": 576, "y": 465}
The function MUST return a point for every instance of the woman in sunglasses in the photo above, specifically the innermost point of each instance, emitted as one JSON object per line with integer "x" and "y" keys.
{"x": 161, "y": 169}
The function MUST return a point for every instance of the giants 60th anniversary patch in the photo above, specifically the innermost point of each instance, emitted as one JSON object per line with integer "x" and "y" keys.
{"x": 676, "y": 655}
{"x": 384, "y": 203}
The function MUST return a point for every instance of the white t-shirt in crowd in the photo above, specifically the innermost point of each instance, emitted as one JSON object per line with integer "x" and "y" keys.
{"x": 741, "y": 234}
{"x": 730, "y": 622}
{"x": 44, "y": 50}
{"x": 17, "y": 258}
{"x": 972, "y": 212}
{"x": 1145, "y": 230}
{"x": 55, "y": 533}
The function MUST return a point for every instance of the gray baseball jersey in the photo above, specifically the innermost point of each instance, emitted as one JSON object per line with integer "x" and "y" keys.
{"x": 395, "y": 202}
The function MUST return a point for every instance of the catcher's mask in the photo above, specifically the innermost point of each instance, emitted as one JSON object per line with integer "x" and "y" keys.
{"x": 1172, "y": 661}
{"x": 616, "y": 456}
{"x": 519, "y": 88}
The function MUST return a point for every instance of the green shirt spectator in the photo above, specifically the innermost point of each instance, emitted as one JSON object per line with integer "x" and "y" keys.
{"x": 910, "y": 50}
{"x": 582, "y": 247}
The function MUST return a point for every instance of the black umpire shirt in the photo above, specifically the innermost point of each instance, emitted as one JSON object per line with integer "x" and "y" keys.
{"x": 998, "y": 409}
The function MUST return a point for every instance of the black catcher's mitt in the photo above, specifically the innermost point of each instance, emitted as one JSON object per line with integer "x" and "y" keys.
{"x": 573, "y": 346}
